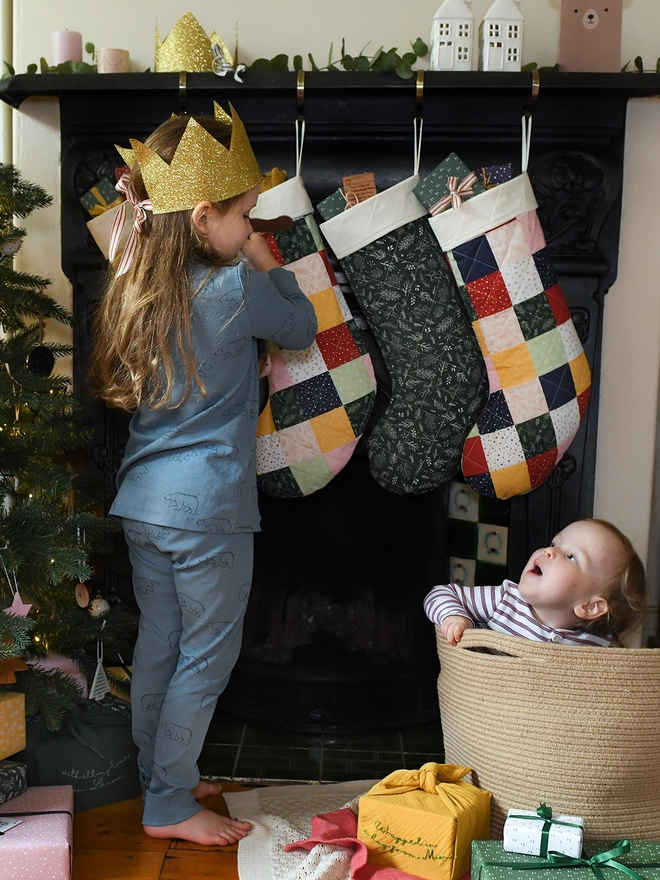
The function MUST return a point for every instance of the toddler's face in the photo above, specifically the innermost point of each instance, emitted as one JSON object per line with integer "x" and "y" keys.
{"x": 576, "y": 567}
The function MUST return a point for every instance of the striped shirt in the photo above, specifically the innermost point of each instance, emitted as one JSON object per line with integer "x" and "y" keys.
{"x": 502, "y": 609}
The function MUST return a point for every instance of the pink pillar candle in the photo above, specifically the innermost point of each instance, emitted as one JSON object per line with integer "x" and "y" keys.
{"x": 65, "y": 46}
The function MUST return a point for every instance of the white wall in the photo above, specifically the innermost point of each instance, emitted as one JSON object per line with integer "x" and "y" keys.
{"x": 631, "y": 345}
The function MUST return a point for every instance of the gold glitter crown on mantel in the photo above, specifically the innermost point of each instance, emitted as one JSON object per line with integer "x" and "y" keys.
{"x": 186, "y": 48}
{"x": 201, "y": 168}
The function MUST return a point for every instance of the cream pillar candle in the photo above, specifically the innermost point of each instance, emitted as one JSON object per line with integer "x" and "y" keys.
{"x": 65, "y": 46}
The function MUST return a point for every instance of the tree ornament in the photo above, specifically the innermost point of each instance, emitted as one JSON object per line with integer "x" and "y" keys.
{"x": 98, "y": 606}
{"x": 82, "y": 595}
{"x": 11, "y": 247}
{"x": 100, "y": 686}
{"x": 41, "y": 359}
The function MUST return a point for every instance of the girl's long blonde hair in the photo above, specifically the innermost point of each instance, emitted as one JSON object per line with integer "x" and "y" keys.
{"x": 144, "y": 316}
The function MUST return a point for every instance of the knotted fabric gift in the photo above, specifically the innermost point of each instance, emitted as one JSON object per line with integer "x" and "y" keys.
{"x": 424, "y": 821}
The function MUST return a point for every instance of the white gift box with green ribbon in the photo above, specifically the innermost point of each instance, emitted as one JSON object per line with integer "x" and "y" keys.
{"x": 536, "y": 833}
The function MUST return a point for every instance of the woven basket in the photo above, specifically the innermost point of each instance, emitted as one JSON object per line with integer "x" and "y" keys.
{"x": 575, "y": 727}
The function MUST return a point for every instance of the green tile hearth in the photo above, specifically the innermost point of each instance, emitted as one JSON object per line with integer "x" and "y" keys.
{"x": 234, "y": 750}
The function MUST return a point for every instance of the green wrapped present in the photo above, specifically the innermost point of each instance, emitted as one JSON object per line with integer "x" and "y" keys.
{"x": 94, "y": 752}
{"x": 601, "y": 859}
{"x": 448, "y": 185}
{"x": 332, "y": 205}
{"x": 101, "y": 198}
{"x": 13, "y": 779}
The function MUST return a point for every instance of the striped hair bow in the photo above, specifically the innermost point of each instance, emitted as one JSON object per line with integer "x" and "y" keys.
{"x": 140, "y": 209}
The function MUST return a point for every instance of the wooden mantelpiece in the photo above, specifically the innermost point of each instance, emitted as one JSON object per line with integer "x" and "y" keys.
{"x": 359, "y": 122}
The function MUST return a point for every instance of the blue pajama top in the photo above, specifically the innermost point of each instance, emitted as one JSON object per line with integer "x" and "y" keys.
{"x": 193, "y": 467}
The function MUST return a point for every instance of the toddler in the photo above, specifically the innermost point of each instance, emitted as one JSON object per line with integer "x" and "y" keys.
{"x": 586, "y": 588}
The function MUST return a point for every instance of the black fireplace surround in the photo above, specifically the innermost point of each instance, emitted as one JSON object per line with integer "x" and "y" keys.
{"x": 335, "y": 636}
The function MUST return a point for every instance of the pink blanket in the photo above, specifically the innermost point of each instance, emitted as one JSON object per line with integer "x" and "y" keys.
{"x": 340, "y": 828}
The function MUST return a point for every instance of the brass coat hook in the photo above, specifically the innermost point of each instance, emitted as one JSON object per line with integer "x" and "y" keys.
{"x": 536, "y": 87}
{"x": 183, "y": 85}
{"x": 419, "y": 94}
{"x": 300, "y": 94}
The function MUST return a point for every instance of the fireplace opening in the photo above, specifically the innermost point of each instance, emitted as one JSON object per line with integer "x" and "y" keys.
{"x": 335, "y": 635}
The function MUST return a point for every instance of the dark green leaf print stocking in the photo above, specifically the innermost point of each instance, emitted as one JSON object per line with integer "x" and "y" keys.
{"x": 405, "y": 288}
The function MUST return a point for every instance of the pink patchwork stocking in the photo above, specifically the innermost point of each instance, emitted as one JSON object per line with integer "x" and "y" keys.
{"x": 538, "y": 373}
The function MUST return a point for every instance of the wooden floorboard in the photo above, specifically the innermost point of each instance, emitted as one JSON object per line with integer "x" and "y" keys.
{"x": 109, "y": 844}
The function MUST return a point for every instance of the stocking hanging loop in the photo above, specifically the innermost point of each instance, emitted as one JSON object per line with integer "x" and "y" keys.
{"x": 300, "y": 120}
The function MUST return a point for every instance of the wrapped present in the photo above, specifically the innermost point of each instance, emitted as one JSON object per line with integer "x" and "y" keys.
{"x": 423, "y": 821}
{"x": 40, "y": 845}
{"x": 12, "y": 723}
{"x": 493, "y": 175}
{"x": 601, "y": 859}
{"x": 537, "y": 833}
{"x": 101, "y": 198}
{"x": 65, "y": 665}
{"x": 94, "y": 752}
{"x": 448, "y": 185}
{"x": 332, "y": 205}
{"x": 13, "y": 779}
{"x": 101, "y": 228}
{"x": 120, "y": 674}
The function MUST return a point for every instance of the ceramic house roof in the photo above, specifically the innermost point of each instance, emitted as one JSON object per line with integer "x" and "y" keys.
{"x": 505, "y": 9}
{"x": 454, "y": 9}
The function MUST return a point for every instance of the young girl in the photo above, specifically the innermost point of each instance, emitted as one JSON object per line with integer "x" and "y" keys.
{"x": 176, "y": 344}
{"x": 586, "y": 588}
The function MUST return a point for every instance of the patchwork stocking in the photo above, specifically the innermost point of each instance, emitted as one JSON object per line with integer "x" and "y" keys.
{"x": 538, "y": 373}
{"x": 320, "y": 399}
{"x": 403, "y": 284}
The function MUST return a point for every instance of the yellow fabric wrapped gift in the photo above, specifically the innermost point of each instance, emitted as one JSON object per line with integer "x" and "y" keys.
{"x": 424, "y": 821}
{"x": 12, "y": 723}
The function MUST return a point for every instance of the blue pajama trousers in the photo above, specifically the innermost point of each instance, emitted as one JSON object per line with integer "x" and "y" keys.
{"x": 192, "y": 590}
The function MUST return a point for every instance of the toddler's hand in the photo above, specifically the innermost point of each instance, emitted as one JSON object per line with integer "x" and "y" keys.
{"x": 258, "y": 253}
{"x": 453, "y": 628}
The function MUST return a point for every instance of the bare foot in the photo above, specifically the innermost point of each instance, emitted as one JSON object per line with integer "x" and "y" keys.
{"x": 206, "y": 788}
{"x": 205, "y": 827}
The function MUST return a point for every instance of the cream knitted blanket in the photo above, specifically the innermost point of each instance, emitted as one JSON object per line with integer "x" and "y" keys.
{"x": 282, "y": 815}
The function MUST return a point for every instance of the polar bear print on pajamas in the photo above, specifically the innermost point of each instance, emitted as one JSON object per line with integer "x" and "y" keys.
{"x": 182, "y": 502}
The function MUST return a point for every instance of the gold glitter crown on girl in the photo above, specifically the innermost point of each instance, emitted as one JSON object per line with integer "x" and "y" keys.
{"x": 201, "y": 169}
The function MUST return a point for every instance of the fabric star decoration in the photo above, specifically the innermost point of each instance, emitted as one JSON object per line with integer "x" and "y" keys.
{"x": 18, "y": 607}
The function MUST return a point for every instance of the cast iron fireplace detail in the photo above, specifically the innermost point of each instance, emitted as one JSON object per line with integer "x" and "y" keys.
{"x": 335, "y": 637}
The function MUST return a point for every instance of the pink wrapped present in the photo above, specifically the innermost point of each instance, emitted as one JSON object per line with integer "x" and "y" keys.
{"x": 41, "y": 845}
{"x": 66, "y": 666}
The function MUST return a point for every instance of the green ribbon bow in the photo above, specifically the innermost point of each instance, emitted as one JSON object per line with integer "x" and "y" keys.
{"x": 544, "y": 813}
{"x": 606, "y": 858}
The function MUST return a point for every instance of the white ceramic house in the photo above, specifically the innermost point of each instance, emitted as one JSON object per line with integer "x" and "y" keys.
{"x": 452, "y": 36}
{"x": 501, "y": 36}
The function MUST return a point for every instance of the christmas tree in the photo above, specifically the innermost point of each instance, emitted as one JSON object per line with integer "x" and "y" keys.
{"x": 51, "y": 533}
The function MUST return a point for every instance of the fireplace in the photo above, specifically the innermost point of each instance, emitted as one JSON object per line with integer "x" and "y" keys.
{"x": 335, "y": 637}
